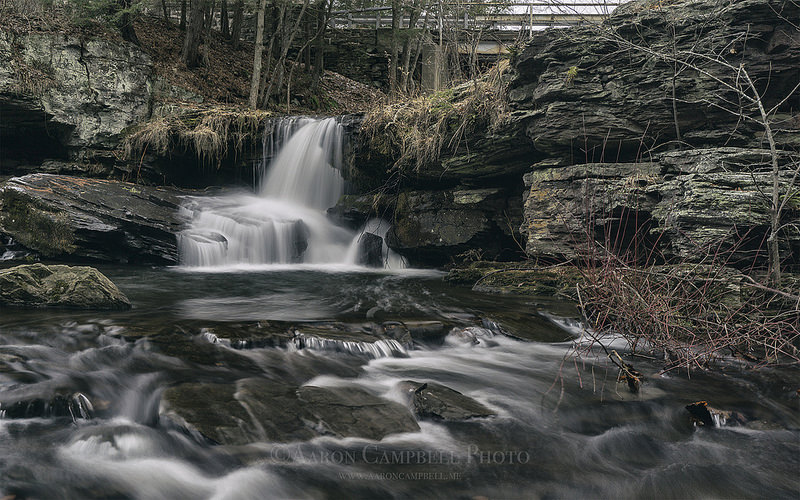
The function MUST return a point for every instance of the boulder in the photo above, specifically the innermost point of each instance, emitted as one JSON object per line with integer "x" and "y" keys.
{"x": 435, "y": 401}
{"x": 102, "y": 220}
{"x": 253, "y": 410}
{"x": 38, "y": 285}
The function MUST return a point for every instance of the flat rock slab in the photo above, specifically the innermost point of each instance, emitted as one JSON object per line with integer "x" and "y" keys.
{"x": 439, "y": 402}
{"x": 254, "y": 409}
{"x": 80, "y": 287}
{"x": 71, "y": 217}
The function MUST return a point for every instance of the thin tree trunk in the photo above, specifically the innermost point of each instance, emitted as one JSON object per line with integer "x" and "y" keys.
{"x": 259, "y": 49}
{"x": 416, "y": 11}
{"x": 775, "y": 212}
{"x": 323, "y": 16}
{"x": 125, "y": 22}
{"x": 209, "y": 17}
{"x": 194, "y": 32}
{"x": 307, "y": 49}
{"x": 223, "y": 19}
{"x": 397, "y": 12}
{"x": 164, "y": 8}
{"x": 282, "y": 60}
{"x": 278, "y": 22}
{"x": 236, "y": 29}
{"x": 183, "y": 15}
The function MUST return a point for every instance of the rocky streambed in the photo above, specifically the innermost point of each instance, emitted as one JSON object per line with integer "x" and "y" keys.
{"x": 308, "y": 384}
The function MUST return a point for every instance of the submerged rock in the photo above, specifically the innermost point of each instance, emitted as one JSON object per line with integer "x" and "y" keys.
{"x": 431, "y": 400}
{"x": 38, "y": 285}
{"x": 69, "y": 217}
{"x": 253, "y": 410}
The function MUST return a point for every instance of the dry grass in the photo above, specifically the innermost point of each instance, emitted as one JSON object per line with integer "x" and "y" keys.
{"x": 209, "y": 132}
{"x": 417, "y": 131}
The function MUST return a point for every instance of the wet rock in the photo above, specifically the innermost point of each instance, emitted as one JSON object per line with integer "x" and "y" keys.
{"x": 76, "y": 406}
{"x": 425, "y": 329}
{"x": 348, "y": 411}
{"x": 703, "y": 415}
{"x": 370, "y": 250}
{"x": 517, "y": 278}
{"x": 432, "y": 226}
{"x": 253, "y": 410}
{"x": 354, "y": 210}
{"x": 435, "y": 401}
{"x": 178, "y": 343}
{"x": 73, "y": 218}
{"x": 38, "y": 285}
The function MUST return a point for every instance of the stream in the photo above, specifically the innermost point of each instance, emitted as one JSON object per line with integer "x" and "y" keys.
{"x": 600, "y": 442}
{"x": 82, "y": 412}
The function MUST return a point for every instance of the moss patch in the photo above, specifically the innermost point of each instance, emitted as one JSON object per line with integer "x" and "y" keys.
{"x": 519, "y": 278}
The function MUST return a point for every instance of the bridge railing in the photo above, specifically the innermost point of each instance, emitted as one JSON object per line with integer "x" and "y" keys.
{"x": 517, "y": 16}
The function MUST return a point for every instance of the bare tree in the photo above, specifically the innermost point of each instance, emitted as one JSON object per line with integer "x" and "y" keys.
{"x": 259, "y": 49}
{"x": 236, "y": 26}
{"x": 190, "y": 54}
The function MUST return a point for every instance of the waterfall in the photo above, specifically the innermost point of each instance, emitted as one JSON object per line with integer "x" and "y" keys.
{"x": 285, "y": 221}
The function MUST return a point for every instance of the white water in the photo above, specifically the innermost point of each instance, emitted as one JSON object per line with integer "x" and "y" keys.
{"x": 285, "y": 222}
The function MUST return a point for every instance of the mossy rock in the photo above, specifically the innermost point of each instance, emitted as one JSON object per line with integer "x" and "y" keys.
{"x": 518, "y": 278}
{"x": 38, "y": 285}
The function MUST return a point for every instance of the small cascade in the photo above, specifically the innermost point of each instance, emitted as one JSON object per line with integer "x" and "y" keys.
{"x": 382, "y": 348}
{"x": 285, "y": 222}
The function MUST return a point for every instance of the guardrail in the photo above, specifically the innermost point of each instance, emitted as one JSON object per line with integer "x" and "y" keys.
{"x": 538, "y": 14}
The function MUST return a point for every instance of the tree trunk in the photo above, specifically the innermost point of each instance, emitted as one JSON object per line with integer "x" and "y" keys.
{"x": 236, "y": 28}
{"x": 190, "y": 55}
{"x": 223, "y": 19}
{"x": 307, "y": 50}
{"x": 323, "y": 15}
{"x": 164, "y": 8}
{"x": 254, "y": 82}
{"x": 397, "y": 12}
{"x": 209, "y": 17}
{"x": 279, "y": 65}
{"x": 183, "y": 15}
{"x": 125, "y": 22}
{"x": 416, "y": 11}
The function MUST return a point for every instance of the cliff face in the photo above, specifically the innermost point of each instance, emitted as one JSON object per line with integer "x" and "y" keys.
{"x": 656, "y": 69}
{"x": 645, "y": 124}
{"x": 67, "y": 99}
{"x": 638, "y": 117}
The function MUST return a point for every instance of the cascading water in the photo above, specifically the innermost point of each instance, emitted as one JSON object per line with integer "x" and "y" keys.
{"x": 285, "y": 222}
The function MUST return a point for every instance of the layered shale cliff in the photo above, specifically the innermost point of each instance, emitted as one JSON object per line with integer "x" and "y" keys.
{"x": 643, "y": 128}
